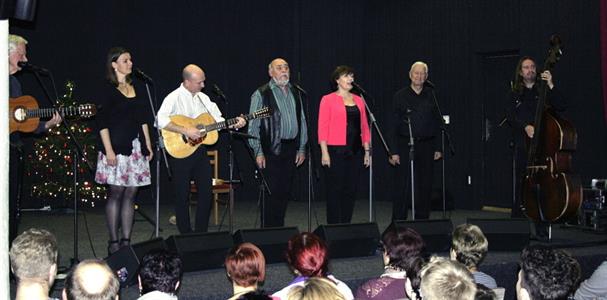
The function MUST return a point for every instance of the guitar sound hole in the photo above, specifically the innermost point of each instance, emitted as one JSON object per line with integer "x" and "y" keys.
{"x": 20, "y": 114}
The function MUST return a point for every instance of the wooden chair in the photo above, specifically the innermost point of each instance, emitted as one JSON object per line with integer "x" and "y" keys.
{"x": 219, "y": 186}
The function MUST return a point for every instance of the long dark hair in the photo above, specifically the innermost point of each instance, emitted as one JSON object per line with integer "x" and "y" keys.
{"x": 112, "y": 56}
{"x": 517, "y": 82}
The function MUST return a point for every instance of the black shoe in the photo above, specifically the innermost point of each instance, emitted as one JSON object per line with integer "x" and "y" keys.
{"x": 124, "y": 242}
{"x": 112, "y": 246}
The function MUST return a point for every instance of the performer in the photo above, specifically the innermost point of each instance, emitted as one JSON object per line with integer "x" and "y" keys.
{"x": 343, "y": 131}
{"x": 414, "y": 103}
{"x": 524, "y": 97}
{"x": 126, "y": 148}
{"x": 283, "y": 139}
{"x": 189, "y": 101}
{"x": 17, "y": 52}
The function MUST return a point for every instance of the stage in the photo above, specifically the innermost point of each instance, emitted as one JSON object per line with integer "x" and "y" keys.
{"x": 588, "y": 246}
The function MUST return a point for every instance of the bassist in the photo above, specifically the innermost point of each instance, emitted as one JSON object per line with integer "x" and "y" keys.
{"x": 189, "y": 101}
{"x": 524, "y": 97}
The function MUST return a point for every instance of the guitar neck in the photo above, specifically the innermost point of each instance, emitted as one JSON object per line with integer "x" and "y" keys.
{"x": 225, "y": 124}
{"x": 48, "y": 112}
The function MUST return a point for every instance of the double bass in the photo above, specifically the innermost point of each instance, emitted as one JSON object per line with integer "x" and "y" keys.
{"x": 551, "y": 191}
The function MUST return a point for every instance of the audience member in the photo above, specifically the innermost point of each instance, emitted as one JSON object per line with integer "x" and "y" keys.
{"x": 469, "y": 247}
{"x": 33, "y": 258}
{"x": 546, "y": 274}
{"x": 308, "y": 257}
{"x": 316, "y": 288}
{"x": 91, "y": 279}
{"x": 446, "y": 279}
{"x": 160, "y": 275}
{"x": 484, "y": 293}
{"x": 246, "y": 269}
{"x": 404, "y": 255}
{"x": 594, "y": 287}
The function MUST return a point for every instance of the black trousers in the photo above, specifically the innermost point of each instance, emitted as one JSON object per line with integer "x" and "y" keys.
{"x": 423, "y": 171}
{"x": 194, "y": 167}
{"x": 541, "y": 227}
{"x": 341, "y": 180}
{"x": 15, "y": 172}
{"x": 279, "y": 173}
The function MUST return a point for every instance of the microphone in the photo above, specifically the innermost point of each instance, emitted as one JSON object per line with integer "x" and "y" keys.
{"x": 142, "y": 75}
{"x": 295, "y": 85}
{"x": 354, "y": 84}
{"x": 219, "y": 92}
{"x": 36, "y": 69}
{"x": 429, "y": 83}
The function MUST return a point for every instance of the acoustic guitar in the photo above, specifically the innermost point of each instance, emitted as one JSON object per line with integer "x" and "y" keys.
{"x": 180, "y": 146}
{"x": 25, "y": 114}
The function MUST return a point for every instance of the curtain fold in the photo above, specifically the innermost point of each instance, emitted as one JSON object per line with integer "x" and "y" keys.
{"x": 603, "y": 32}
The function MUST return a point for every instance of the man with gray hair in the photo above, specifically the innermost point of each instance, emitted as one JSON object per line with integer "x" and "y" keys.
{"x": 414, "y": 105}
{"x": 281, "y": 146}
{"x": 91, "y": 279}
{"x": 33, "y": 257}
{"x": 17, "y": 52}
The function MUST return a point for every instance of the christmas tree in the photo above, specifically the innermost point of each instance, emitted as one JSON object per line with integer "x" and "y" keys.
{"x": 50, "y": 166}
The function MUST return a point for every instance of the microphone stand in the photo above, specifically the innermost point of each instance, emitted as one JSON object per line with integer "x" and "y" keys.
{"x": 160, "y": 149}
{"x": 444, "y": 134}
{"x": 263, "y": 185}
{"x": 411, "y": 163}
{"x": 78, "y": 154}
{"x": 372, "y": 124}
{"x": 310, "y": 157}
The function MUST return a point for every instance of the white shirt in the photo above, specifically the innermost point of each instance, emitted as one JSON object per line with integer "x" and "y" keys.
{"x": 182, "y": 102}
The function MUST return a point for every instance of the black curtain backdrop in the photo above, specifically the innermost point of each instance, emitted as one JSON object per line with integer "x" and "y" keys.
{"x": 233, "y": 41}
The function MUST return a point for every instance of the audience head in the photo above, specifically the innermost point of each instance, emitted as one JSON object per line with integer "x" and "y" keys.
{"x": 547, "y": 274}
{"x": 17, "y": 52}
{"x": 307, "y": 254}
{"x": 33, "y": 256}
{"x": 118, "y": 63}
{"x": 484, "y": 293}
{"x": 245, "y": 265}
{"x": 346, "y": 74}
{"x": 469, "y": 245}
{"x": 279, "y": 70}
{"x": 161, "y": 271}
{"x": 446, "y": 279}
{"x": 91, "y": 279}
{"x": 316, "y": 288}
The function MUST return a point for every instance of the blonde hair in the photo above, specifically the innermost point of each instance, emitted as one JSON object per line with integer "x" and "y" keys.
{"x": 33, "y": 253}
{"x": 316, "y": 288}
{"x": 446, "y": 279}
{"x": 14, "y": 41}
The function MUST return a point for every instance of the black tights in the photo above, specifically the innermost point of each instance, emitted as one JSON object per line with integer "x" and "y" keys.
{"x": 119, "y": 212}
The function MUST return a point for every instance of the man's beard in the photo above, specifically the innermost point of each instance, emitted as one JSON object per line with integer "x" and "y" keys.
{"x": 282, "y": 82}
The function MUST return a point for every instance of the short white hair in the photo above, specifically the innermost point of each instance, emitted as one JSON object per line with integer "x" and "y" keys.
{"x": 419, "y": 63}
{"x": 14, "y": 41}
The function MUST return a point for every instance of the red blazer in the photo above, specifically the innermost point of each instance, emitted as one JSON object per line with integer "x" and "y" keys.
{"x": 332, "y": 120}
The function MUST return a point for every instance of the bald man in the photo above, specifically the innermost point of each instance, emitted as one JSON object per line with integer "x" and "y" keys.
{"x": 189, "y": 100}
{"x": 281, "y": 146}
{"x": 91, "y": 279}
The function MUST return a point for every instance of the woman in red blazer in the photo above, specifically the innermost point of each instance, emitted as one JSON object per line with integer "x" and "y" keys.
{"x": 343, "y": 135}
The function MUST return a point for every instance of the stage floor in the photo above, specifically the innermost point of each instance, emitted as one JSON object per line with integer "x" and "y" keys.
{"x": 92, "y": 241}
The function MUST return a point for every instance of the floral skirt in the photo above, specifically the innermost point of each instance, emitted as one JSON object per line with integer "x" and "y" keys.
{"x": 132, "y": 170}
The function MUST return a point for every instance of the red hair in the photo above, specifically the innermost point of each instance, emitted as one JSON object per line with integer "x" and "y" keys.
{"x": 308, "y": 254}
{"x": 246, "y": 265}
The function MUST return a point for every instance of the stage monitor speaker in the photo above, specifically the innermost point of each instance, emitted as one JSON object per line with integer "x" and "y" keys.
{"x": 201, "y": 251}
{"x": 125, "y": 261}
{"x": 272, "y": 241}
{"x": 350, "y": 240}
{"x": 504, "y": 234}
{"x": 436, "y": 233}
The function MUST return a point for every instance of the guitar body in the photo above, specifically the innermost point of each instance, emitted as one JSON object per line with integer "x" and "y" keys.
{"x": 178, "y": 145}
{"x": 17, "y": 119}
